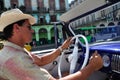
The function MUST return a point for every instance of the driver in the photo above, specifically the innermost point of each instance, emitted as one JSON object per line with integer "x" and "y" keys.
{"x": 16, "y": 63}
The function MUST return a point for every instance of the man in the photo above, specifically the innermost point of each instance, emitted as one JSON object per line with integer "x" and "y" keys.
{"x": 18, "y": 64}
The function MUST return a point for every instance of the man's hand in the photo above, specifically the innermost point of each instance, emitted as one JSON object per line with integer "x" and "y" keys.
{"x": 96, "y": 61}
{"x": 66, "y": 43}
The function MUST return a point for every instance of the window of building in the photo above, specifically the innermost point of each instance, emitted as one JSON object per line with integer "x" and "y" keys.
{"x": 87, "y": 19}
{"x": 111, "y": 24}
{"x": 1, "y": 5}
{"x": 83, "y": 21}
{"x": 103, "y": 13}
{"x": 34, "y": 5}
{"x": 53, "y": 18}
{"x": 93, "y": 17}
{"x": 21, "y": 3}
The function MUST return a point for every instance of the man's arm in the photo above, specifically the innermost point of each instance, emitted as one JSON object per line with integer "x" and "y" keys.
{"x": 94, "y": 64}
{"x": 47, "y": 58}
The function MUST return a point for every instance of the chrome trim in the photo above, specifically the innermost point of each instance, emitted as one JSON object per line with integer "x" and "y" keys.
{"x": 115, "y": 63}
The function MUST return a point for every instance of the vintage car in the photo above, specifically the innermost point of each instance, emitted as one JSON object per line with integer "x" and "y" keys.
{"x": 108, "y": 49}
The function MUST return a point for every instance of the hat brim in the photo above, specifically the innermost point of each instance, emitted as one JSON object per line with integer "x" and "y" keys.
{"x": 9, "y": 19}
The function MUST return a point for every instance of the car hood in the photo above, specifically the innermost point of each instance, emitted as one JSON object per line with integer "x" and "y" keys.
{"x": 106, "y": 46}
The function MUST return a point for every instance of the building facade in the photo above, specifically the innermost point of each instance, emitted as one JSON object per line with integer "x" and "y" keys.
{"x": 96, "y": 13}
{"x": 45, "y": 12}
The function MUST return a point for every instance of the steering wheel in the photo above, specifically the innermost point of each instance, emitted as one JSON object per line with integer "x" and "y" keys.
{"x": 74, "y": 55}
{"x": 73, "y": 58}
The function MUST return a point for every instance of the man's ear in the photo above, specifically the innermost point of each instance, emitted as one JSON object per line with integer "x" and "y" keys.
{"x": 16, "y": 27}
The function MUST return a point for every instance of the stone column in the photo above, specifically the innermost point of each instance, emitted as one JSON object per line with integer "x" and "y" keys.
{"x": 37, "y": 36}
{"x": 49, "y": 36}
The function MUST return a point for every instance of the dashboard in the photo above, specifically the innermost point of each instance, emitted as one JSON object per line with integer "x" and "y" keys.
{"x": 110, "y": 52}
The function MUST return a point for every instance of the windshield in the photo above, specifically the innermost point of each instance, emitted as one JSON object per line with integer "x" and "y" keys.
{"x": 99, "y": 34}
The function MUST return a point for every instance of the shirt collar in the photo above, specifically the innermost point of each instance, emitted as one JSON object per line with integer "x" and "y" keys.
{"x": 10, "y": 44}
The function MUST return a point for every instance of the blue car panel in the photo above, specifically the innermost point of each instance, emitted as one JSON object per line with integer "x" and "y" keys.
{"x": 112, "y": 52}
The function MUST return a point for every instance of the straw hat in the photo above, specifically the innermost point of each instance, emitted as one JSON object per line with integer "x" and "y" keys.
{"x": 12, "y": 16}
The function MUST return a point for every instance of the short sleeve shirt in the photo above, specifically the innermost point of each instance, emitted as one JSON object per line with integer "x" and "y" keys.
{"x": 15, "y": 64}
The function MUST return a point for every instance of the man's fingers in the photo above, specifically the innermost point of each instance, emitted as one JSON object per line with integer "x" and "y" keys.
{"x": 95, "y": 55}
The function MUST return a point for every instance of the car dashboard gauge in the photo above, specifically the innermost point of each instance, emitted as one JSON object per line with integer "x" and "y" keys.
{"x": 106, "y": 60}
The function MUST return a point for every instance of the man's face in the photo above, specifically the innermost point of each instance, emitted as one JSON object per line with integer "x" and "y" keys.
{"x": 26, "y": 32}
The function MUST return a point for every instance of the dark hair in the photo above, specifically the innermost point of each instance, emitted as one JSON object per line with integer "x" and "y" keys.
{"x": 8, "y": 30}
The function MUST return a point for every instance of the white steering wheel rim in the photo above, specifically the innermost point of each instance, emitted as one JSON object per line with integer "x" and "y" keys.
{"x": 86, "y": 52}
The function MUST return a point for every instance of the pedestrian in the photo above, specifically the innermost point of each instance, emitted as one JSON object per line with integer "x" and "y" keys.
{"x": 18, "y": 64}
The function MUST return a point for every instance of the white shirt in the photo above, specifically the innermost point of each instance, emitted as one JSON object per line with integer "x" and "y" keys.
{"x": 16, "y": 64}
